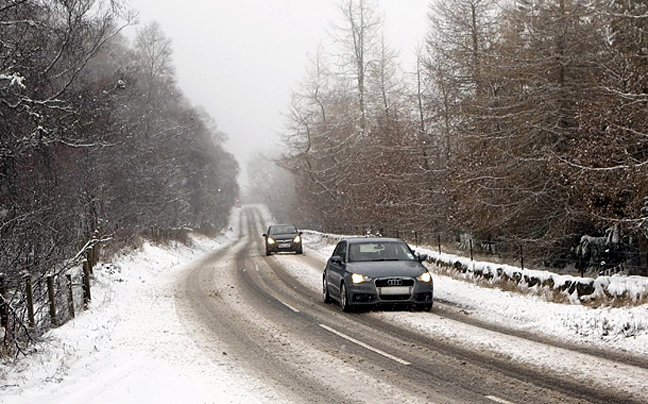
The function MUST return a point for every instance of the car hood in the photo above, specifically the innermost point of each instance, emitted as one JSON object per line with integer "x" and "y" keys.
{"x": 377, "y": 269}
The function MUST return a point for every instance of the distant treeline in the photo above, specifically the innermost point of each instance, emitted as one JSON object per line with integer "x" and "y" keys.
{"x": 523, "y": 121}
{"x": 96, "y": 138}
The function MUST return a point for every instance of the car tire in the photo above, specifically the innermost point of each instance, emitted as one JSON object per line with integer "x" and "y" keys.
{"x": 300, "y": 250}
{"x": 325, "y": 293}
{"x": 268, "y": 252}
{"x": 344, "y": 299}
{"x": 426, "y": 306}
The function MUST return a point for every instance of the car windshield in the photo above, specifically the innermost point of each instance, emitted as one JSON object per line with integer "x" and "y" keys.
{"x": 282, "y": 229}
{"x": 380, "y": 251}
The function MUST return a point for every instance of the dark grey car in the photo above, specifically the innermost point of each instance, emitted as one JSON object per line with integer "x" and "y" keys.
{"x": 283, "y": 238}
{"x": 367, "y": 272}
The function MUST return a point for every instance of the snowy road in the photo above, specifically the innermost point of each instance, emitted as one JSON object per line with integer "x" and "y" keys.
{"x": 268, "y": 313}
{"x": 219, "y": 322}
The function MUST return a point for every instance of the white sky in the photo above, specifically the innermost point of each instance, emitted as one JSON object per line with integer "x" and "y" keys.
{"x": 241, "y": 59}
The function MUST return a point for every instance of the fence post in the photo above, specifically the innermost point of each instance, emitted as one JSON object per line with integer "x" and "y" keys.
{"x": 70, "y": 295}
{"x": 52, "y": 300}
{"x": 439, "y": 240}
{"x": 86, "y": 284}
{"x": 416, "y": 238}
{"x": 472, "y": 256}
{"x": 521, "y": 257}
{"x": 90, "y": 259}
{"x": 30, "y": 300}
{"x": 4, "y": 310}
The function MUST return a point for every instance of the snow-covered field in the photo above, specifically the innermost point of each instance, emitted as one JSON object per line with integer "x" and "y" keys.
{"x": 131, "y": 347}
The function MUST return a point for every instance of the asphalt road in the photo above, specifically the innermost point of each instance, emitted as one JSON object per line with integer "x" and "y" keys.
{"x": 304, "y": 351}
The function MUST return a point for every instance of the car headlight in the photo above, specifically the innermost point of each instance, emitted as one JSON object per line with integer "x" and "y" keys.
{"x": 424, "y": 277}
{"x": 271, "y": 240}
{"x": 358, "y": 278}
{"x": 297, "y": 239}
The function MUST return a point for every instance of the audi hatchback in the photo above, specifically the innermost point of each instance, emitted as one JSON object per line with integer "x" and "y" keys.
{"x": 369, "y": 272}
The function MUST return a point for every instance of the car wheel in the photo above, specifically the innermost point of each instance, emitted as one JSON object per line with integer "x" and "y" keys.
{"x": 426, "y": 307}
{"x": 325, "y": 294}
{"x": 300, "y": 250}
{"x": 344, "y": 299}
{"x": 268, "y": 252}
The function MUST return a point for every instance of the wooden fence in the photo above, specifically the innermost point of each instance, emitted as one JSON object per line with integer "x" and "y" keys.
{"x": 29, "y": 306}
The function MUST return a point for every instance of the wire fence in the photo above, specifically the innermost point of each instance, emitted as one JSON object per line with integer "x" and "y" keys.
{"x": 32, "y": 304}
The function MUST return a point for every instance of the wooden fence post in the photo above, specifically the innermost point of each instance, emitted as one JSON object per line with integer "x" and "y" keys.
{"x": 86, "y": 284}
{"x": 52, "y": 300}
{"x": 90, "y": 259}
{"x": 30, "y": 300}
{"x": 439, "y": 240}
{"x": 472, "y": 256}
{"x": 70, "y": 295}
{"x": 4, "y": 310}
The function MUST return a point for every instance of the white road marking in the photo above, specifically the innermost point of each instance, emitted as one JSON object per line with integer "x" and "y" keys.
{"x": 362, "y": 344}
{"x": 289, "y": 306}
{"x": 499, "y": 400}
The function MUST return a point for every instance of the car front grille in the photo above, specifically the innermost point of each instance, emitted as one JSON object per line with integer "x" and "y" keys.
{"x": 387, "y": 282}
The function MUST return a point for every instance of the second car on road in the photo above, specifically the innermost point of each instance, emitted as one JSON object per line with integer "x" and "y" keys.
{"x": 283, "y": 238}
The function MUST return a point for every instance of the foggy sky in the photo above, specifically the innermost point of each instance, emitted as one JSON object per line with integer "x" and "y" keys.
{"x": 241, "y": 59}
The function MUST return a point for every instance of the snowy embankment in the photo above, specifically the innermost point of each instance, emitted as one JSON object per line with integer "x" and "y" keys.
{"x": 535, "y": 308}
{"x": 129, "y": 346}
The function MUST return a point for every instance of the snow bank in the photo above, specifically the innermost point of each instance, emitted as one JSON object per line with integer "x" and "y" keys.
{"x": 613, "y": 290}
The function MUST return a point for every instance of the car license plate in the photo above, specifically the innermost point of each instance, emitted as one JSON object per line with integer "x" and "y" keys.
{"x": 395, "y": 290}
{"x": 285, "y": 245}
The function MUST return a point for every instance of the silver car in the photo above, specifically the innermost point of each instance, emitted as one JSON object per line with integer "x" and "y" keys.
{"x": 369, "y": 272}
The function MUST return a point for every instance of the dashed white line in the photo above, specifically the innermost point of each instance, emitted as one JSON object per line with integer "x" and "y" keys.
{"x": 289, "y": 306}
{"x": 366, "y": 346}
{"x": 499, "y": 400}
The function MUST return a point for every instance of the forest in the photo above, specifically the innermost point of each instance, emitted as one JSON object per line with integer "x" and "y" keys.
{"x": 97, "y": 142}
{"x": 522, "y": 127}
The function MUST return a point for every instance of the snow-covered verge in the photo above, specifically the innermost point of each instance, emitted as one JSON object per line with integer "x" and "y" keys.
{"x": 624, "y": 328}
{"x": 129, "y": 347}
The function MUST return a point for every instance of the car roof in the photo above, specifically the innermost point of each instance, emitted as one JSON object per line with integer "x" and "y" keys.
{"x": 361, "y": 240}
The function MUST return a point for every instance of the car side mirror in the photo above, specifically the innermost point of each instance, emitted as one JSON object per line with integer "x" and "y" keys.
{"x": 336, "y": 259}
{"x": 422, "y": 257}
{"x": 264, "y": 235}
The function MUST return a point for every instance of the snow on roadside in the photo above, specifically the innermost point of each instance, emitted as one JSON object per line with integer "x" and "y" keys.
{"x": 129, "y": 346}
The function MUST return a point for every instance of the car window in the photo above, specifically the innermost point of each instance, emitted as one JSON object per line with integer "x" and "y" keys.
{"x": 340, "y": 250}
{"x": 380, "y": 251}
{"x": 282, "y": 229}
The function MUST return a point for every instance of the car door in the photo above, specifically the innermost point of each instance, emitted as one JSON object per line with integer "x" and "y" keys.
{"x": 335, "y": 268}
